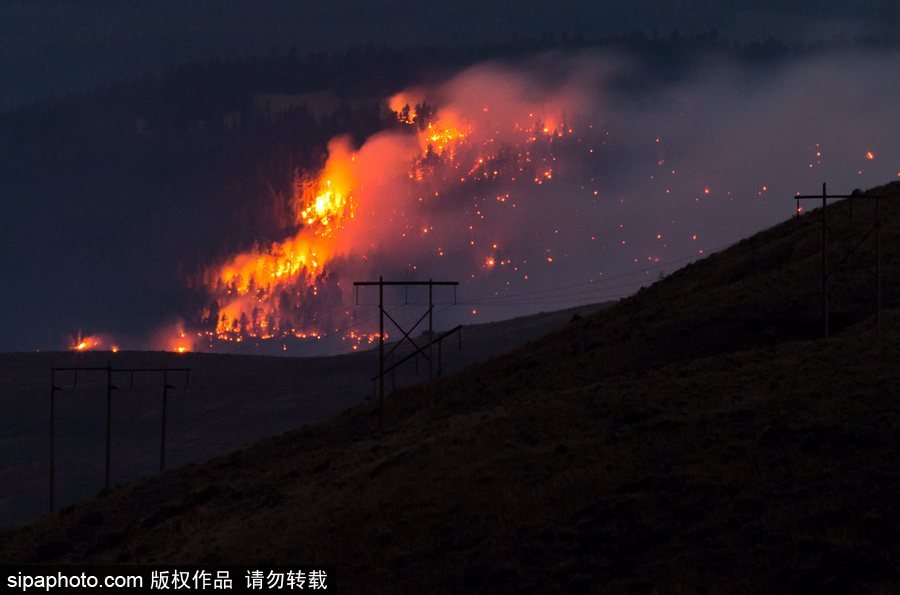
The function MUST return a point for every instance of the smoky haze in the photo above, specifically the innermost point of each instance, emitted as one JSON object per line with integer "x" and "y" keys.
{"x": 663, "y": 164}
{"x": 640, "y": 179}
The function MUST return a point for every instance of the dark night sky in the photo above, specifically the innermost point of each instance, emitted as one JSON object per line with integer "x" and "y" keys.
{"x": 57, "y": 47}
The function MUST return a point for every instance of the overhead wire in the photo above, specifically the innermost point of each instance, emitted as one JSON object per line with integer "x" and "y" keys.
{"x": 642, "y": 271}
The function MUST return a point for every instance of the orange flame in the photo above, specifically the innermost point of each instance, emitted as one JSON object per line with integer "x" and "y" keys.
{"x": 251, "y": 281}
{"x": 257, "y": 293}
{"x": 87, "y": 343}
{"x": 175, "y": 339}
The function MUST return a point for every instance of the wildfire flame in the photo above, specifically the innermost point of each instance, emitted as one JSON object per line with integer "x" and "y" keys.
{"x": 248, "y": 284}
{"x": 90, "y": 342}
{"x": 175, "y": 339}
{"x": 351, "y": 208}
{"x": 86, "y": 344}
{"x": 498, "y": 178}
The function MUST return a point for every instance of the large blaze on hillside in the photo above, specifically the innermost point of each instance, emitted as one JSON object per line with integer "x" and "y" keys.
{"x": 264, "y": 293}
{"x": 538, "y": 183}
{"x": 419, "y": 187}
{"x": 533, "y": 186}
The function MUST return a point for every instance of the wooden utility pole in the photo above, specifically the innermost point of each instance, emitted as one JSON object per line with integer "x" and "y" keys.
{"x": 383, "y": 313}
{"x": 109, "y": 370}
{"x": 826, "y": 272}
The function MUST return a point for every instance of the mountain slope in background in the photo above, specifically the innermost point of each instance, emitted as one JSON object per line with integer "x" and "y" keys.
{"x": 696, "y": 436}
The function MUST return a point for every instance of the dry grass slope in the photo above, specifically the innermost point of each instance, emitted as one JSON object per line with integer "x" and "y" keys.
{"x": 697, "y": 437}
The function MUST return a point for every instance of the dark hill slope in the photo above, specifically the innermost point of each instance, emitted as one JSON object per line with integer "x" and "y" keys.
{"x": 762, "y": 291}
{"x": 231, "y": 401}
{"x": 697, "y": 437}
